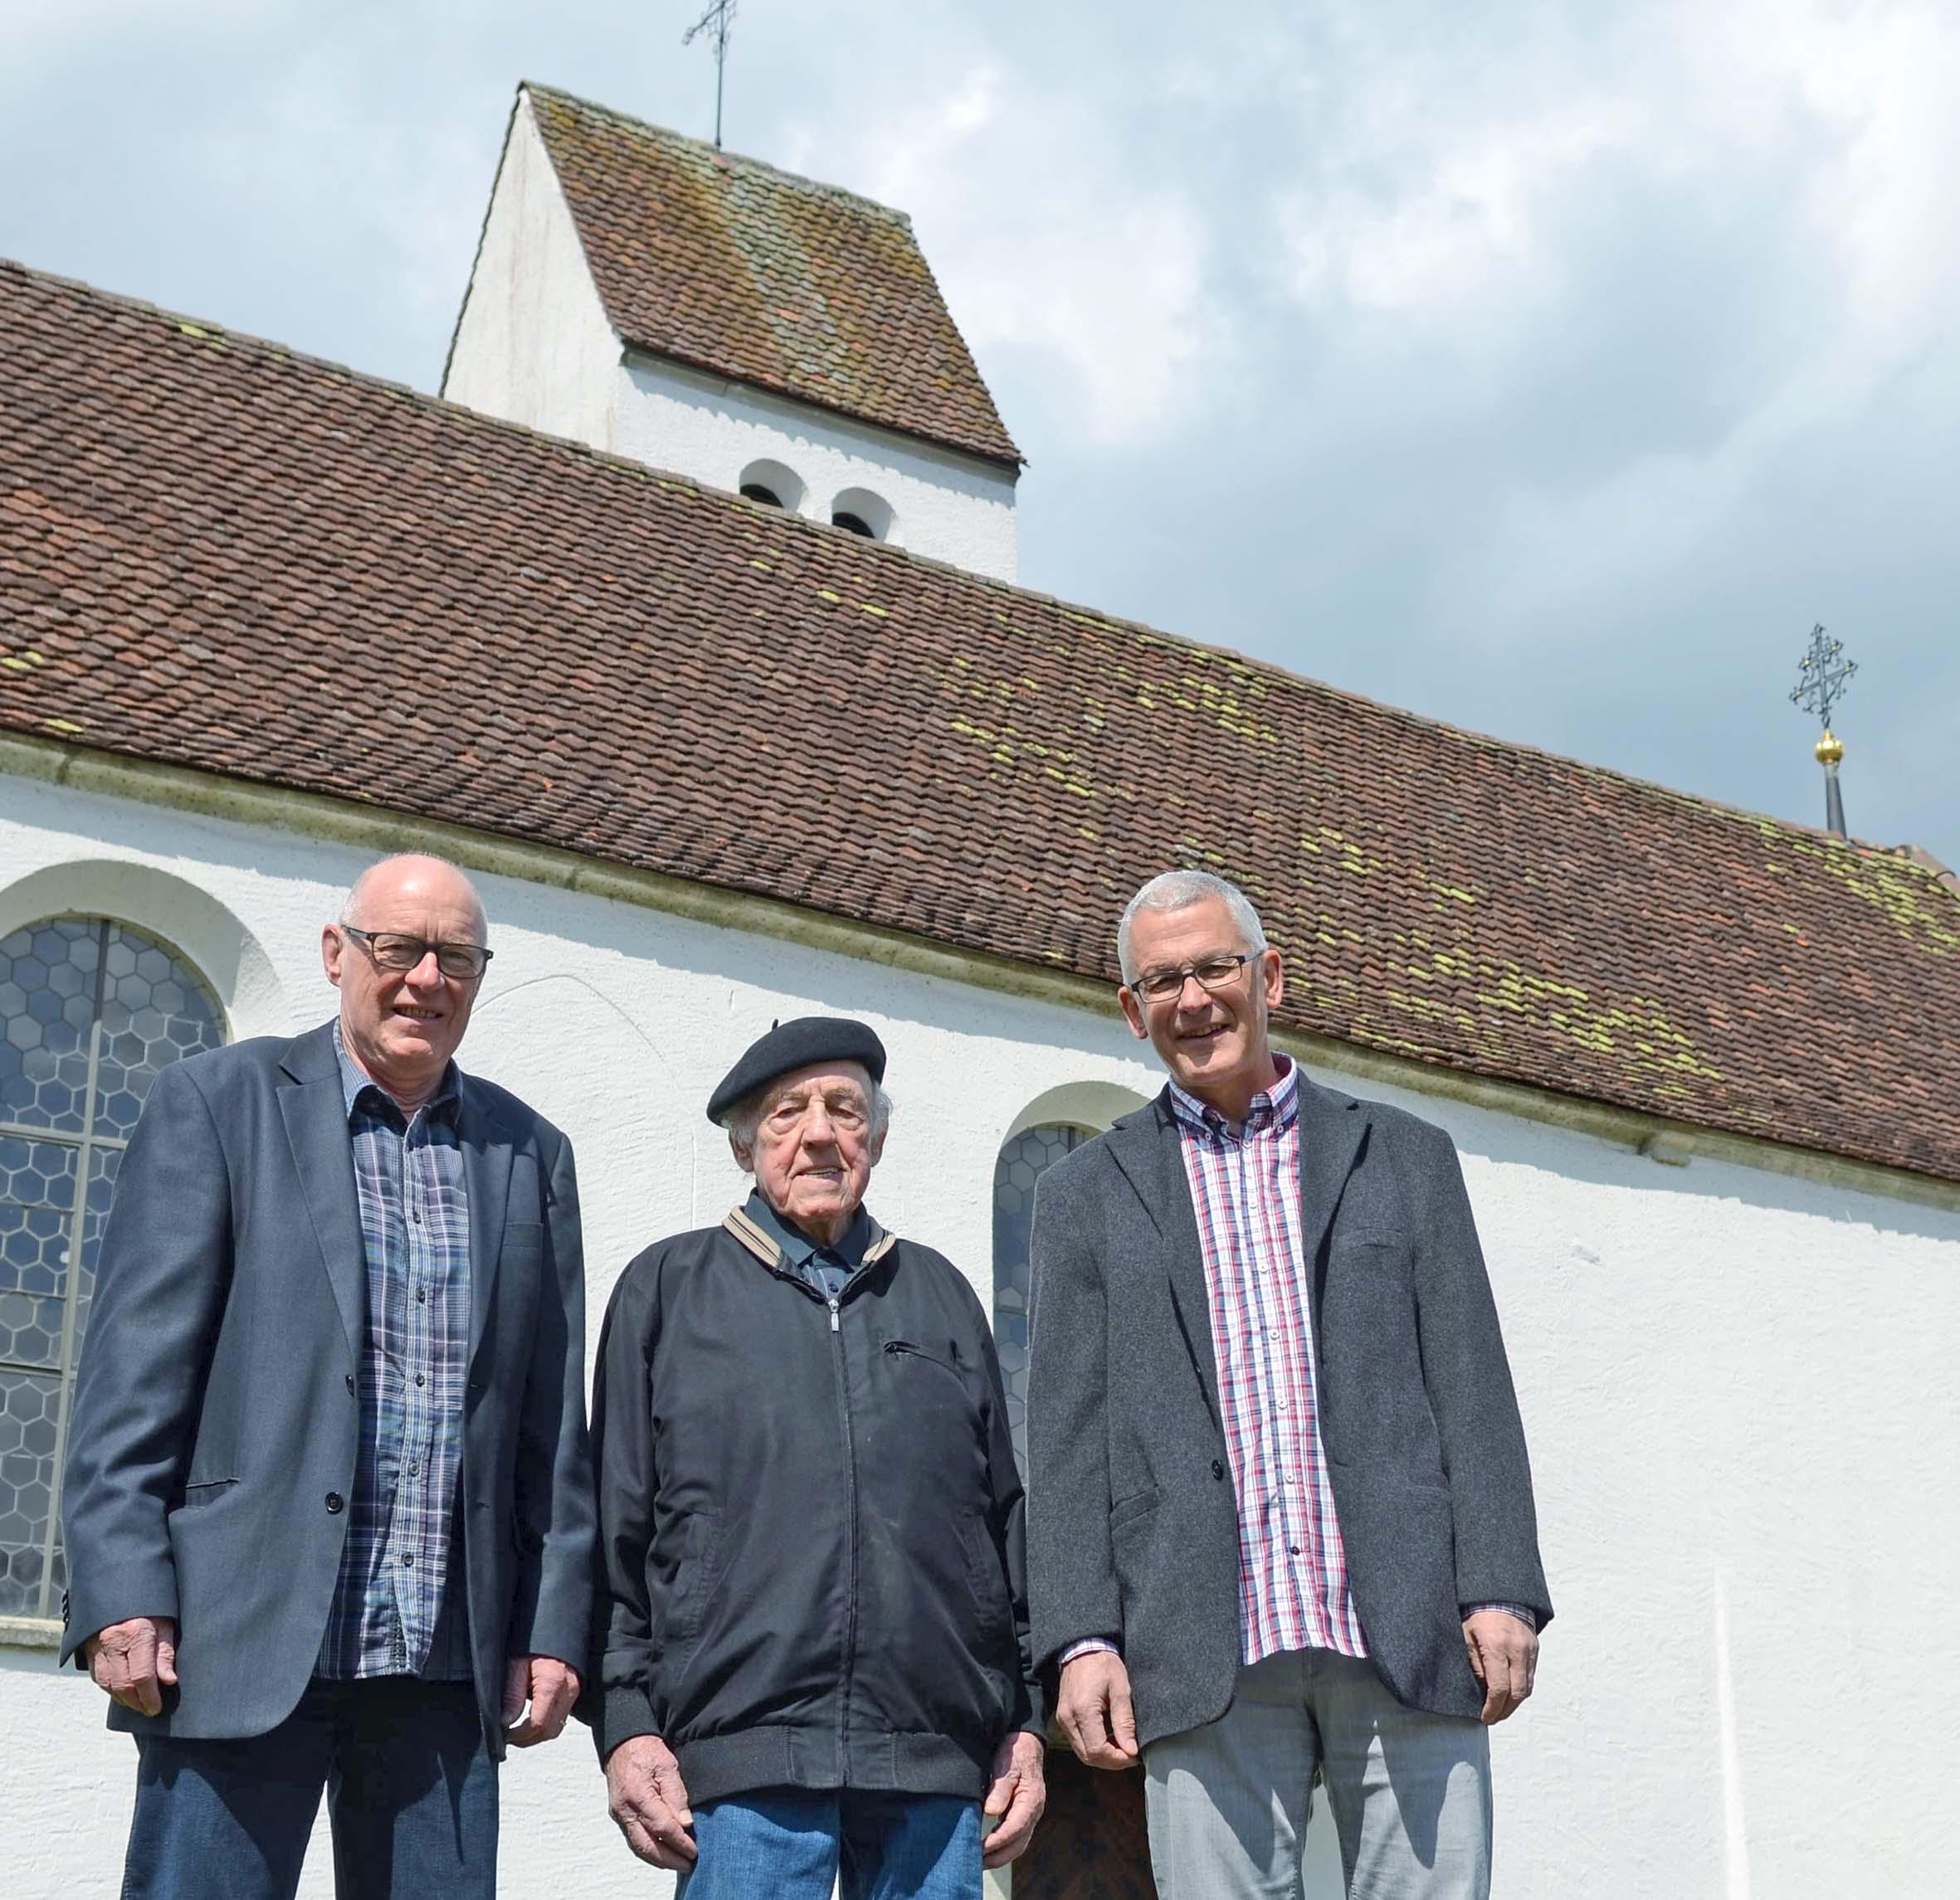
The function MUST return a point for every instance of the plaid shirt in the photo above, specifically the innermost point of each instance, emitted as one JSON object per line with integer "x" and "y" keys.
{"x": 1244, "y": 1188}
{"x": 414, "y": 1225}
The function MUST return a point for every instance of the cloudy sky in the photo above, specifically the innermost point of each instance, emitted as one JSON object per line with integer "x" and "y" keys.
{"x": 1548, "y": 368}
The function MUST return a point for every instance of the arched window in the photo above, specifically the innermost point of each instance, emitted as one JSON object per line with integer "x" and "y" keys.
{"x": 1024, "y": 1158}
{"x": 90, "y": 1010}
{"x": 774, "y": 483}
{"x": 860, "y": 512}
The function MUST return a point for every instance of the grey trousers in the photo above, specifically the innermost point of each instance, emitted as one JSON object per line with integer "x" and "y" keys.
{"x": 1410, "y": 1792}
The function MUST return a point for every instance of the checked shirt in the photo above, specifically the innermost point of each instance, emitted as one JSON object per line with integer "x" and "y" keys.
{"x": 1244, "y": 1189}
{"x": 415, "y": 1228}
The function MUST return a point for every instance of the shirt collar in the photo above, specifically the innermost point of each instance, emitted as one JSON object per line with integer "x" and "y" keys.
{"x": 798, "y": 1248}
{"x": 355, "y": 1082}
{"x": 1271, "y": 1108}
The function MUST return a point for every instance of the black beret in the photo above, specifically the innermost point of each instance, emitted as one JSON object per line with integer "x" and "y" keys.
{"x": 797, "y": 1045}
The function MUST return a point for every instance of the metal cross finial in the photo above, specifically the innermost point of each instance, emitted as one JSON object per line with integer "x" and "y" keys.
{"x": 1822, "y": 677}
{"x": 1821, "y": 680}
{"x": 718, "y": 20}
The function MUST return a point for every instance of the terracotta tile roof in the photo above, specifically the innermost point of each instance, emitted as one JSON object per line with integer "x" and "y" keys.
{"x": 219, "y": 554}
{"x": 754, "y": 274}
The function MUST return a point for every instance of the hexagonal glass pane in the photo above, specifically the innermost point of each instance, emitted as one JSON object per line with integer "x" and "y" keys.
{"x": 30, "y": 1330}
{"x": 155, "y": 1009}
{"x": 34, "y": 1249}
{"x": 44, "y": 1048}
{"x": 29, "y": 1404}
{"x": 1023, "y": 1159}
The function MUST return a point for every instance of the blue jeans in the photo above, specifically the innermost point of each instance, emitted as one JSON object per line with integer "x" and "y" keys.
{"x": 793, "y": 1843}
{"x": 411, "y": 1788}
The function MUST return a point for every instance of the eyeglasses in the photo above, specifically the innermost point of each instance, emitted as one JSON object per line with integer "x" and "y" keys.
{"x": 391, "y": 950}
{"x": 1214, "y": 972}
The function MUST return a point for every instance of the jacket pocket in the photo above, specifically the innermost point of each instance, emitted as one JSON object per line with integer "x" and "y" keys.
{"x": 687, "y": 1607}
{"x": 1136, "y": 1505}
{"x": 904, "y": 1349}
{"x": 988, "y": 1578}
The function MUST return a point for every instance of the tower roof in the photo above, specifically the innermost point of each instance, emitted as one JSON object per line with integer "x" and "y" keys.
{"x": 733, "y": 267}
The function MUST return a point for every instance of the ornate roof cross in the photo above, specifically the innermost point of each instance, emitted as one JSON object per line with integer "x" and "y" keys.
{"x": 718, "y": 20}
{"x": 1823, "y": 678}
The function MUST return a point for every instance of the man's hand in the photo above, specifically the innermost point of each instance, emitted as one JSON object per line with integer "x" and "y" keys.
{"x": 134, "y": 1662}
{"x": 1504, "y": 1652}
{"x": 1094, "y": 1709}
{"x": 649, "y": 1800}
{"x": 1015, "y": 1798}
{"x": 550, "y": 1686}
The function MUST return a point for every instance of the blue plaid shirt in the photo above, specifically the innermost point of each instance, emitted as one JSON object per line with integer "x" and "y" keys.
{"x": 386, "y": 1618}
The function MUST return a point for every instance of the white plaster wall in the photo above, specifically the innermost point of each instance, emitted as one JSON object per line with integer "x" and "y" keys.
{"x": 1737, "y": 1386}
{"x": 957, "y": 509}
{"x": 532, "y": 345}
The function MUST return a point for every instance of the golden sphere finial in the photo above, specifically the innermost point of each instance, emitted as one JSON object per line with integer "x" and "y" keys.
{"x": 1829, "y": 749}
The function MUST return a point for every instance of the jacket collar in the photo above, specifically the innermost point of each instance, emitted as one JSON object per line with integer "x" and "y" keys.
{"x": 761, "y": 1240}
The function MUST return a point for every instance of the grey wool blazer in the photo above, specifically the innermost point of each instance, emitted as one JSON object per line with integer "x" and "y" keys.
{"x": 212, "y": 1451}
{"x": 1132, "y": 1523}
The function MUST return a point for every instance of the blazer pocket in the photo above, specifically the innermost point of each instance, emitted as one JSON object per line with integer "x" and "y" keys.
{"x": 1137, "y": 1504}
{"x": 206, "y": 1491}
{"x": 524, "y": 1236}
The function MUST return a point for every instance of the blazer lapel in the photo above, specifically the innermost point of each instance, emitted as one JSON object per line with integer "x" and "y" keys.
{"x": 486, "y": 1176}
{"x": 1331, "y": 1128}
{"x": 1146, "y": 1148}
{"x": 315, "y": 1113}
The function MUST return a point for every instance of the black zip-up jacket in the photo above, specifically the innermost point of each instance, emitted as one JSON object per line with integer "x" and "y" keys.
{"x": 811, "y": 1570}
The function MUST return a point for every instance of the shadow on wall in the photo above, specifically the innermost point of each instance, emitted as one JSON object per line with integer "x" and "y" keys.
{"x": 558, "y": 1044}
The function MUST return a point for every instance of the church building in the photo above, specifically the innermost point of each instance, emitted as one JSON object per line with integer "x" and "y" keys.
{"x": 686, "y": 618}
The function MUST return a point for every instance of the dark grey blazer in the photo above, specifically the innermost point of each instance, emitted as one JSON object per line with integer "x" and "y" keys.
{"x": 213, "y": 1436}
{"x": 1133, "y": 1525}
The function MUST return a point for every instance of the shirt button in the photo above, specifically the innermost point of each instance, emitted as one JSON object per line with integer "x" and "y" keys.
{"x": 421, "y": 1293}
{"x": 1292, "y": 1550}
{"x": 415, "y": 1468}
{"x": 408, "y": 1557}
{"x": 336, "y": 1503}
{"x": 419, "y": 1380}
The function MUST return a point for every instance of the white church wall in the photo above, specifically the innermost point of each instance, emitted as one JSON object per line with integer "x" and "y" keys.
{"x": 532, "y": 345}
{"x": 957, "y": 509}
{"x": 1736, "y": 1384}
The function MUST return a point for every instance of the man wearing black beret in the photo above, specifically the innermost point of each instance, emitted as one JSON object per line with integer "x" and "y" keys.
{"x": 814, "y": 1659}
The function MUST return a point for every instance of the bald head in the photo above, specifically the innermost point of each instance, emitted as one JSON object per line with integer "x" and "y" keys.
{"x": 413, "y": 877}
{"x": 401, "y": 1021}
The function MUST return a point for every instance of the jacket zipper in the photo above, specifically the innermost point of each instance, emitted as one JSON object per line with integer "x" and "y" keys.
{"x": 851, "y": 1552}
{"x": 833, "y": 1301}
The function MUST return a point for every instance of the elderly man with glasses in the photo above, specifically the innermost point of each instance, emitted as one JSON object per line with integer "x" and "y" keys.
{"x": 329, "y": 1510}
{"x": 813, "y": 1669}
{"x": 1281, "y": 1525}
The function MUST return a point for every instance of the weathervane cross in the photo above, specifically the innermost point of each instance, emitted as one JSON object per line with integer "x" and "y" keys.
{"x": 1822, "y": 677}
{"x": 718, "y": 20}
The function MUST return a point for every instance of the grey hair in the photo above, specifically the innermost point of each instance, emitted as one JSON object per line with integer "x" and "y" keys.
{"x": 1177, "y": 890}
{"x": 351, "y": 903}
{"x": 746, "y": 1116}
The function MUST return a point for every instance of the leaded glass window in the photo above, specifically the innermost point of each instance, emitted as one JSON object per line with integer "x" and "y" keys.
{"x": 1024, "y": 1158}
{"x": 90, "y": 1010}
